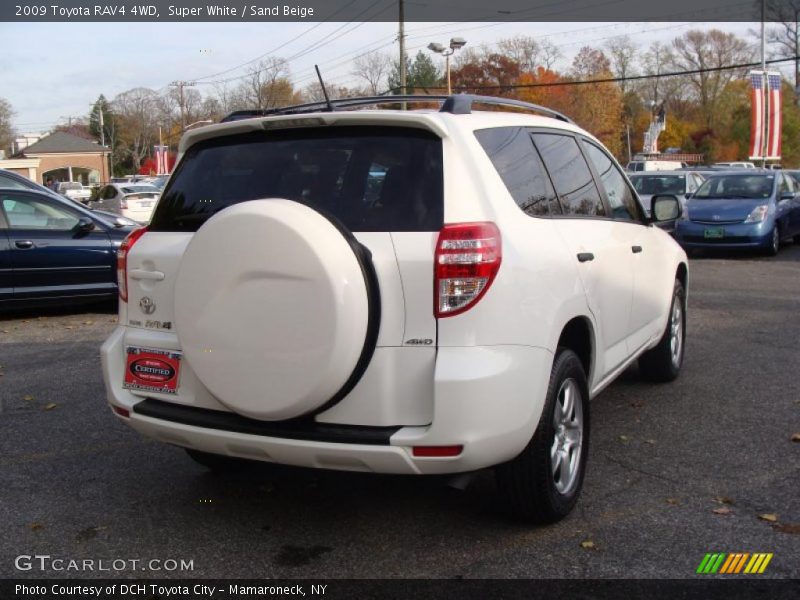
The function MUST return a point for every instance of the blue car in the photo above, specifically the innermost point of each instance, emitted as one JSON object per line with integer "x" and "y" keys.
{"x": 742, "y": 209}
{"x": 53, "y": 250}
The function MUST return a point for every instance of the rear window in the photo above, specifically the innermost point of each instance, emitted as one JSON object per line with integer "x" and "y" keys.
{"x": 371, "y": 179}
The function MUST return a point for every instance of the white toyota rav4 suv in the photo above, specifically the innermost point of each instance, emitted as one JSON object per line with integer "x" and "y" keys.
{"x": 395, "y": 291}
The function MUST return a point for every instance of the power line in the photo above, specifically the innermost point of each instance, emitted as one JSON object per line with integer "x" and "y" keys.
{"x": 514, "y": 86}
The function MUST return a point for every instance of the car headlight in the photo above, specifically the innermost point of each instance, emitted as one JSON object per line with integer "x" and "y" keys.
{"x": 758, "y": 214}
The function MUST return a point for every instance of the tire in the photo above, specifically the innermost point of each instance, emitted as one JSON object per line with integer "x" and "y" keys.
{"x": 775, "y": 242}
{"x": 530, "y": 486}
{"x": 663, "y": 363}
{"x": 218, "y": 463}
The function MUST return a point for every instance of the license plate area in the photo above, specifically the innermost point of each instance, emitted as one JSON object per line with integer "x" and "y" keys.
{"x": 152, "y": 370}
{"x": 714, "y": 233}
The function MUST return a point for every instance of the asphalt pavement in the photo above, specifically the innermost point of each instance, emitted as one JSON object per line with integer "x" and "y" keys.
{"x": 704, "y": 464}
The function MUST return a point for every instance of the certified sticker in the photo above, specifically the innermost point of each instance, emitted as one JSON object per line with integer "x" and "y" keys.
{"x": 152, "y": 370}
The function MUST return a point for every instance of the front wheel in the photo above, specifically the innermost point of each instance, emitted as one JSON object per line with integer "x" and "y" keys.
{"x": 543, "y": 483}
{"x": 663, "y": 363}
{"x": 774, "y": 242}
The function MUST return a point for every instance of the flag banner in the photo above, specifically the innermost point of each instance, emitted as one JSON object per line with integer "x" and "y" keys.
{"x": 765, "y": 123}
{"x": 757, "y": 114}
{"x": 774, "y": 110}
{"x": 162, "y": 163}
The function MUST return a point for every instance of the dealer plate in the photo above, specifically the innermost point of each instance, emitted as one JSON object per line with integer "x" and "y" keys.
{"x": 714, "y": 232}
{"x": 151, "y": 370}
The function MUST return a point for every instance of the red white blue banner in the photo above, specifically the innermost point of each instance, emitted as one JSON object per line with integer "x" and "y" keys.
{"x": 162, "y": 162}
{"x": 765, "y": 124}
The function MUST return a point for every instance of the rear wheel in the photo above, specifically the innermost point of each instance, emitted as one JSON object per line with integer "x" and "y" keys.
{"x": 543, "y": 483}
{"x": 663, "y": 363}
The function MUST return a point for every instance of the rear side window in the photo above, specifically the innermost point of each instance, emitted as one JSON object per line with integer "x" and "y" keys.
{"x": 371, "y": 179}
{"x": 519, "y": 166}
{"x": 570, "y": 173}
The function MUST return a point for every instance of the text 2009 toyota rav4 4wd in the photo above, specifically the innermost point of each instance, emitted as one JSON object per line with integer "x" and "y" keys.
{"x": 427, "y": 291}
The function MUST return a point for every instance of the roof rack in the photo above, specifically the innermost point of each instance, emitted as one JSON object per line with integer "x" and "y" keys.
{"x": 457, "y": 104}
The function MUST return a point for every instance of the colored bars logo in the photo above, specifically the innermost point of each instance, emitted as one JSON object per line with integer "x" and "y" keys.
{"x": 735, "y": 563}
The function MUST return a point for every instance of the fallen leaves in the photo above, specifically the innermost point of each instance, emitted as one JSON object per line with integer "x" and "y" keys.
{"x": 587, "y": 544}
{"x": 722, "y": 511}
{"x": 36, "y": 526}
{"x": 650, "y": 441}
{"x": 673, "y": 501}
{"x": 27, "y": 398}
{"x": 623, "y": 438}
{"x": 723, "y": 500}
{"x": 49, "y": 406}
{"x": 793, "y": 528}
{"x": 771, "y": 517}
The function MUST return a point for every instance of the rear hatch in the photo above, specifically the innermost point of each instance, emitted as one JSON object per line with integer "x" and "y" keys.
{"x": 259, "y": 260}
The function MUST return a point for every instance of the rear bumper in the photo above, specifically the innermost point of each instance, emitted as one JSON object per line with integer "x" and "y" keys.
{"x": 486, "y": 399}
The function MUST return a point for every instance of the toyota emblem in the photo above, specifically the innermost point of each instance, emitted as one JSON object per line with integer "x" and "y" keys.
{"x": 147, "y": 305}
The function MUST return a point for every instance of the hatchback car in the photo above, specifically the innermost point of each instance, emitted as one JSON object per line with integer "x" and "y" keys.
{"x": 395, "y": 291}
{"x": 652, "y": 183}
{"x": 53, "y": 250}
{"x": 742, "y": 209}
{"x": 134, "y": 201}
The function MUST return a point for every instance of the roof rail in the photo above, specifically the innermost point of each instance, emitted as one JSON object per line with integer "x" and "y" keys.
{"x": 457, "y": 104}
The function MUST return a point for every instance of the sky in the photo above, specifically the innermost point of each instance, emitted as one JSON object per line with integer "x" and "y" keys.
{"x": 54, "y": 71}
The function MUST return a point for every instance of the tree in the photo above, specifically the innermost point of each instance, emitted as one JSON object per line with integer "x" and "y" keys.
{"x": 373, "y": 68}
{"x": 481, "y": 70}
{"x": 267, "y": 86}
{"x": 102, "y": 105}
{"x": 136, "y": 118}
{"x": 421, "y": 73}
{"x": 697, "y": 50}
{"x": 597, "y": 107}
{"x": 622, "y": 52}
{"x": 786, "y": 35}
{"x": 6, "y": 129}
{"x": 522, "y": 49}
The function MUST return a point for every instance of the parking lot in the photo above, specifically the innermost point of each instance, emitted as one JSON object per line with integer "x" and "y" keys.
{"x": 706, "y": 464}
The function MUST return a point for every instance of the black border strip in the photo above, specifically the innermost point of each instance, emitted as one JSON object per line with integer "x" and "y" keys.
{"x": 293, "y": 429}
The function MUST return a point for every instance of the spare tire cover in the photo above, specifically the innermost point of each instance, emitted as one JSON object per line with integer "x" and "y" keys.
{"x": 271, "y": 308}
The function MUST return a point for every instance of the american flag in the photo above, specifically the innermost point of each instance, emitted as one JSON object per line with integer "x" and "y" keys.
{"x": 162, "y": 163}
{"x": 774, "y": 125}
{"x": 766, "y": 109}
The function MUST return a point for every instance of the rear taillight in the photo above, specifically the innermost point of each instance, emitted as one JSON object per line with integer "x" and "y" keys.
{"x": 123, "y": 205}
{"x": 122, "y": 261}
{"x": 466, "y": 262}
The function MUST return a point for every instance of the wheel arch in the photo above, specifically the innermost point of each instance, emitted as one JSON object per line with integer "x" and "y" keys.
{"x": 577, "y": 334}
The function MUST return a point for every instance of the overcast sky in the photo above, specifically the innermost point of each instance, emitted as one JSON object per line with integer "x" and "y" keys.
{"x": 51, "y": 71}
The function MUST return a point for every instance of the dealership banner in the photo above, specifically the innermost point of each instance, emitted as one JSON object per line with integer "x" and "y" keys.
{"x": 700, "y": 11}
{"x": 414, "y": 589}
{"x": 765, "y": 123}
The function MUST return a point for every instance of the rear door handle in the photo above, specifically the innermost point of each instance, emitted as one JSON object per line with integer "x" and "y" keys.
{"x": 142, "y": 274}
{"x": 585, "y": 256}
{"x": 636, "y": 249}
{"x": 23, "y": 244}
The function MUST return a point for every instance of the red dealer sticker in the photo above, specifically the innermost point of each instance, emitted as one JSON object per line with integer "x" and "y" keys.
{"x": 152, "y": 370}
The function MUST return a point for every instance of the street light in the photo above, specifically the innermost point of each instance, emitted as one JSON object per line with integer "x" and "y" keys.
{"x": 455, "y": 44}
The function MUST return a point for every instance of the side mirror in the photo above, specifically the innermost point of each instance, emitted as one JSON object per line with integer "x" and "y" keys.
{"x": 665, "y": 208}
{"x": 688, "y": 195}
{"x": 85, "y": 225}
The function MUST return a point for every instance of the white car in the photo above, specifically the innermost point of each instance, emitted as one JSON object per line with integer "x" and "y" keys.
{"x": 74, "y": 190}
{"x": 135, "y": 201}
{"x": 397, "y": 292}
{"x": 678, "y": 183}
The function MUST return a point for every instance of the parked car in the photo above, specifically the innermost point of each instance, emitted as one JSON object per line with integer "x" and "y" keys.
{"x": 636, "y": 166}
{"x": 74, "y": 190}
{"x": 753, "y": 209}
{"x": 131, "y": 200}
{"x": 54, "y": 250}
{"x": 678, "y": 183}
{"x": 735, "y": 165}
{"x": 10, "y": 179}
{"x": 438, "y": 320}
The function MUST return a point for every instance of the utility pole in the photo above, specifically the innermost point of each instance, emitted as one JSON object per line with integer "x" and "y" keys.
{"x": 180, "y": 85}
{"x": 765, "y": 95}
{"x": 402, "y": 39}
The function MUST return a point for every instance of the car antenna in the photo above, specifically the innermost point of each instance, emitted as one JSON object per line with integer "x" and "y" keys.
{"x": 324, "y": 91}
